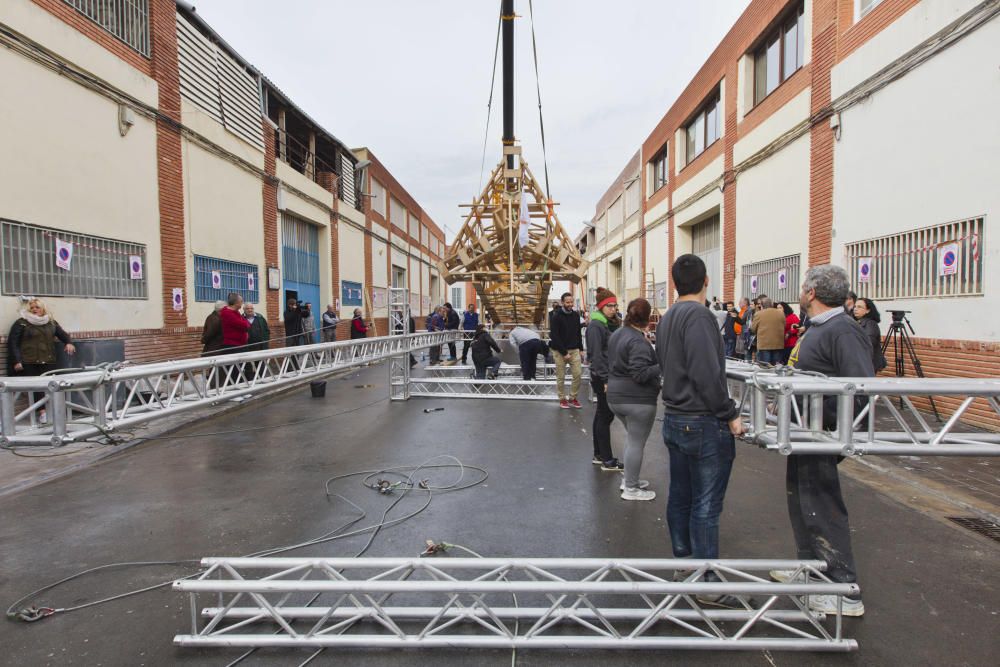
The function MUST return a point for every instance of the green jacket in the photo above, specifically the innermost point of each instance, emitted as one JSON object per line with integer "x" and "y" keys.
{"x": 35, "y": 344}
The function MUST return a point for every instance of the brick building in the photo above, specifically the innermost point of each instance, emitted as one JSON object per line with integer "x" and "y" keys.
{"x": 183, "y": 174}
{"x": 858, "y": 132}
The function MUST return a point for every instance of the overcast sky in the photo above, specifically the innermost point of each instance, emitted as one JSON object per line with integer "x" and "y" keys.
{"x": 410, "y": 79}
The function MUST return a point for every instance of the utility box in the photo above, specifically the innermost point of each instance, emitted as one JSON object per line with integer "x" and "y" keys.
{"x": 91, "y": 352}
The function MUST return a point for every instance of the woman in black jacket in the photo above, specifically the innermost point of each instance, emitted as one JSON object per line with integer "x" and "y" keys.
{"x": 31, "y": 345}
{"x": 868, "y": 318}
{"x": 483, "y": 346}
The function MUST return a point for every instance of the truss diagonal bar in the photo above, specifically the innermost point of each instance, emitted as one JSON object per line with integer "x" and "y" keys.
{"x": 592, "y": 603}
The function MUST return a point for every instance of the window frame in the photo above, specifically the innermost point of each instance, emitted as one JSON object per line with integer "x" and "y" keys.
{"x": 777, "y": 34}
{"x": 660, "y": 162}
{"x": 713, "y": 102}
{"x": 860, "y": 12}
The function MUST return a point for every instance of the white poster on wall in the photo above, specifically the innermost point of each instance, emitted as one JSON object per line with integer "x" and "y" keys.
{"x": 177, "y": 298}
{"x": 64, "y": 254}
{"x": 135, "y": 267}
{"x": 782, "y": 278}
{"x": 216, "y": 280}
{"x": 753, "y": 284}
{"x": 251, "y": 283}
{"x": 948, "y": 259}
{"x": 864, "y": 269}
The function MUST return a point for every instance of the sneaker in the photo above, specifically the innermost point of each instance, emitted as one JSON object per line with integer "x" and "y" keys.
{"x": 638, "y": 494}
{"x": 827, "y": 604}
{"x": 576, "y": 404}
{"x": 785, "y": 576}
{"x": 597, "y": 460}
{"x": 614, "y": 465}
{"x": 564, "y": 404}
{"x": 643, "y": 484}
{"x": 724, "y": 601}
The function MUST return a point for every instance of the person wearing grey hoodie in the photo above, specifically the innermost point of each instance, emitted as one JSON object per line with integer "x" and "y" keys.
{"x": 633, "y": 387}
{"x": 603, "y": 321}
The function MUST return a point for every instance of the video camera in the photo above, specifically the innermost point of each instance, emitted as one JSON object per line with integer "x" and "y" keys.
{"x": 899, "y": 315}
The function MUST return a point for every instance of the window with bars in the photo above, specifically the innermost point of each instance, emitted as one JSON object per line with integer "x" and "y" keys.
{"x": 939, "y": 261}
{"x": 215, "y": 278}
{"x": 778, "y": 278}
{"x": 127, "y": 20}
{"x": 99, "y": 267}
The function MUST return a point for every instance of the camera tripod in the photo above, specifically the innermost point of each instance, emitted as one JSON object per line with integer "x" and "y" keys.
{"x": 902, "y": 346}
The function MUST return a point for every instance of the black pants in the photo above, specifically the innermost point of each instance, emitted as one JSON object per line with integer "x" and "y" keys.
{"x": 528, "y": 352}
{"x": 466, "y": 344}
{"x": 819, "y": 515}
{"x": 233, "y": 374}
{"x": 34, "y": 370}
{"x": 451, "y": 349}
{"x": 603, "y": 417}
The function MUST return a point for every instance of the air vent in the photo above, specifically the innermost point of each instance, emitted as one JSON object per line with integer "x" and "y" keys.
{"x": 977, "y": 525}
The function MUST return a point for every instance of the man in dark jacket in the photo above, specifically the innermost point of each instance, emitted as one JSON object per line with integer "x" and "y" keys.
{"x": 483, "y": 347}
{"x": 451, "y": 323}
{"x": 700, "y": 418}
{"x": 436, "y": 322}
{"x": 566, "y": 344}
{"x": 260, "y": 334}
{"x": 293, "y": 324}
{"x": 602, "y": 322}
{"x": 834, "y": 346}
{"x": 211, "y": 333}
{"x": 470, "y": 322}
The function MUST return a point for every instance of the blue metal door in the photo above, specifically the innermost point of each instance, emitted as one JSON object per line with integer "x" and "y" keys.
{"x": 300, "y": 263}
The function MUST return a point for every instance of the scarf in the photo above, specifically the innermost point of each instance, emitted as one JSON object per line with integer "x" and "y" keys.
{"x": 38, "y": 321}
{"x": 612, "y": 324}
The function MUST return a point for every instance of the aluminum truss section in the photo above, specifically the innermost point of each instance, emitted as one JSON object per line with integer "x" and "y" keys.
{"x": 459, "y": 387}
{"x": 542, "y": 371}
{"x": 510, "y": 603}
{"x": 84, "y": 404}
{"x": 399, "y": 325}
{"x": 785, "y": 411}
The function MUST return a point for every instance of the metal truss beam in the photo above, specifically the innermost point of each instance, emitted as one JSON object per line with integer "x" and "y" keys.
{"x": 84, "y": 404}
{"x": 542, "y": 371}
{"x": 501, "y": 388}
{"x": 510, "y": 603}
{"x": 785, "y": 411}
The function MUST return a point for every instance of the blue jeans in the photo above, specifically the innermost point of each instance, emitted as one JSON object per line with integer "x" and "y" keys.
{"x": 701, "y": 452}
{"x": 493, "y": 363}
{"x": 773, "y": 357}
{"x": 730, "y": 347}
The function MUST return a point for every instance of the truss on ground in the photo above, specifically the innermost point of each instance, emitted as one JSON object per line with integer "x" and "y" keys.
{"x": 785, "y": 411}
{"x": 542, "y": 371}
{"x": 509, "y": 388}
{"x": 84, "y": 404}
{"x": 511, "y": 603}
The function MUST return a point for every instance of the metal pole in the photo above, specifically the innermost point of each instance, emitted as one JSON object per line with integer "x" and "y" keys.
{"x": 507, "y": 20}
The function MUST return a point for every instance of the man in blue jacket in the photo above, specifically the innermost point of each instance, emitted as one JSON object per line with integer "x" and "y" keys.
{"x": 470, "y": 320}
{"x": 436, "y": 322}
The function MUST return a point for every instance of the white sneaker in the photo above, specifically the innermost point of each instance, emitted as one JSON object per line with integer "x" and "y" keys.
{"x": 643, "y": 484}
{"x": 786, "y": 576}
{"x": 638, "y": 494}
{"x": 827, "y": 604}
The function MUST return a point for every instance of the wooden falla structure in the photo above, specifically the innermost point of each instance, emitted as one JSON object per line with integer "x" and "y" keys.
{"x": 512, "y": 246}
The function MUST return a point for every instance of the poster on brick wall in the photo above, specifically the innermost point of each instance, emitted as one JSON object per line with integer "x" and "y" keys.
{"x": 864, "y": 269}
{"x": 216, "y": 280}
{"x": 753, "y": 284}
{"x": 135, "y": 267}
{"x": 948, "y": 259}
{"x": 177, "y": 298}
{"x": 64, "y": 254}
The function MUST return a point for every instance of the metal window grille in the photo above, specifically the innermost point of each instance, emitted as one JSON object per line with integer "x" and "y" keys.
{"x": 127, "y": 20}
{"x": 99, "y": 267}
{"x": 299, "y": 250}
{"x": 768, "y": 274}
{"x": 233, "y": 277}
{"x": 912, "y": 264}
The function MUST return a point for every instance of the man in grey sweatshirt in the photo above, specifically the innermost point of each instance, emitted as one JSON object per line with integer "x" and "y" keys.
{"x": 700, "y": 419}
{"x": 835, "y": 345}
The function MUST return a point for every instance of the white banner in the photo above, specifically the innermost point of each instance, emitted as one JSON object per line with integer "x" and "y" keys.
{"x": 864, "y": 269}
{"x": 135, "y": 267}
{"x": 523, "y": 220}
{"x": 948, "y": 259}
{"x": 782, "y": 278}
{"x": 753, "y": 284}
{"x": 251, "y": 284}
{"x": 216, "y": 280}
{"x": 64, "y": 254}
{"x": 178, "y": 298}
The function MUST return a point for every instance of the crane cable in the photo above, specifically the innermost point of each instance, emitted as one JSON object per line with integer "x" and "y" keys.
{"x": 538, "y": 90}
{"x": 489, "y": 105}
